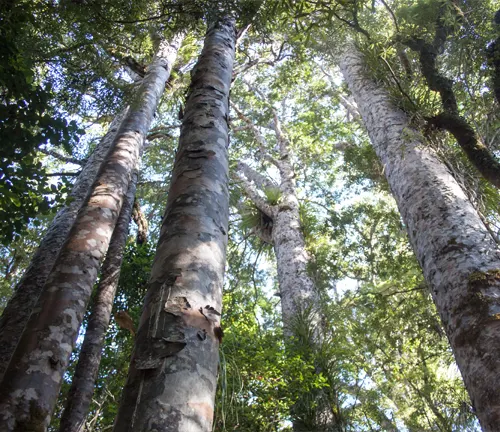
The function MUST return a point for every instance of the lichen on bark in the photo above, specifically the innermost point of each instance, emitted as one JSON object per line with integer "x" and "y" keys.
{"x": 458, "y": 256}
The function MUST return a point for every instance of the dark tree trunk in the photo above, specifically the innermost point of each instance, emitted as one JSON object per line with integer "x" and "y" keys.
{"x": 173, "y": 372}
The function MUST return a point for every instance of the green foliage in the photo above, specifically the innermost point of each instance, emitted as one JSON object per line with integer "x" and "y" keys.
{"x": 27, "y": 120}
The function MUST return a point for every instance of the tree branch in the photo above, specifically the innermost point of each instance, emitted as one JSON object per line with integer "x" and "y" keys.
{"x": 261, "y": 181}
{"x": 477, "y": 153}
{"x": 261, "y": 142}
{"x": 251, "y": 192}
{"x": 59, "y": 156}
{"x": 276, "y": 125}
{"x": 63, "y": 174}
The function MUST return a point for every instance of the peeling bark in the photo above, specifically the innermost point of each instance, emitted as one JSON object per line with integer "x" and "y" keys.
{"x": 173, "y": 372}
{"x": 459, "y": 258}
{"x": 29, "y": 288}
{"x": 33, "y": 378}
{"x": 82, "y": 384}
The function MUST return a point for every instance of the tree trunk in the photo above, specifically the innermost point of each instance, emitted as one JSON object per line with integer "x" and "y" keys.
{"x": 297, "y": 289}
{"x": 301, "y": 309}
{"x": 300, "y": 300}
{"x": 459, "y": 258}
{"x": 29, "y": 288}
{"x": 141, "y": 222}
{"x": 33, "y": 378}
{"x": 82, "y": 385}
{"x": 173, "y": 372}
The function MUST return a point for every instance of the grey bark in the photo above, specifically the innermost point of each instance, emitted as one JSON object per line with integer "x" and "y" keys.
{"x": 33, "y": 378}
{"x": 82, "y": 385}
{"x": 300, "y": 300}
{"x": 459, "y": 258}
{"x": 173, "y": 372}
{"x": 29, "y": 288}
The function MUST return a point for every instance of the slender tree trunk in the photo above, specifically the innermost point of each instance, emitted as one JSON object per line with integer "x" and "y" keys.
{"x": 459, "y": 258}
{"x": 300, "y": 306}
{"x": 82, "y": 385}
{"x": 29, "y": 288}
{"x": 173, "y": 372}
{"x": 33, "y": 378}
{"x": 141, "y": 222}
{"x": 297, "y": 289}
{"x": 300, "y": 300}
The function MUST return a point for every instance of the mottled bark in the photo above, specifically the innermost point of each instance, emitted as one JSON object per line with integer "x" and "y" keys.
{"x": 33, "y": 378}
{"x": 82, "y": 385}
{"x": 141, "y": 222}
{"x": 29, "y": 288}
{"x": 459, "y": 258}
{"x": 300, "y": 300}
{"x": 297, "y": 289}
{"x": 173, "y": 372}
{"x": 300, "y": 304}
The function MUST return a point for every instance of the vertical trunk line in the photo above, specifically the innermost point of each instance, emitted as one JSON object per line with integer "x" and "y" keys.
{"x": 459, "y": 259}
{"x": 33, "y": 378}
{"x": 28, "y": 290}
{"x": 82, "y": 385}
{"x": 173, "y": 371}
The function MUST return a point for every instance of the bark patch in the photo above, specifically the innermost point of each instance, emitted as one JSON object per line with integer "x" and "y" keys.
{"x": 202, "y": 409}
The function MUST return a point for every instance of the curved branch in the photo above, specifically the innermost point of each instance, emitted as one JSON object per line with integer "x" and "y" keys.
{"x": 276, "y": 124}
{"x": 261, "y": 142}
{"x": 261, "y": 181}
{"x": 477, "y": 153}
{"x": 253, "y": 195}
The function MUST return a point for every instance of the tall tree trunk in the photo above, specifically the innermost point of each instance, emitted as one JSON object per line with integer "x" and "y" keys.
{"x": 300, "y": 300}
{"x": 297, "y": 289}
{"x": 33, "y": 378}
{"x": 459, "y": 258}
{"x": 82, "y": 384}
{"x": 173, "y": 372}
{"x": 300, "y": 307}
{"x": 29, "y": 288}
